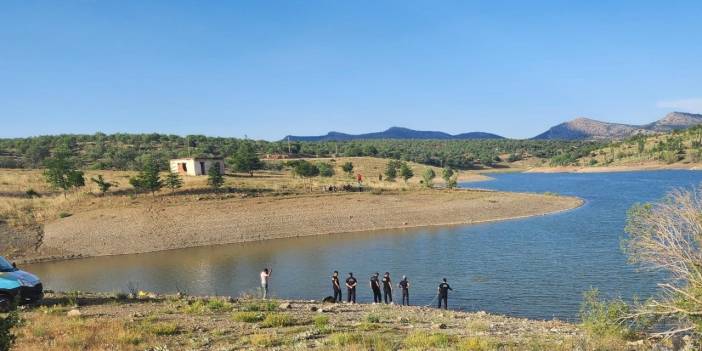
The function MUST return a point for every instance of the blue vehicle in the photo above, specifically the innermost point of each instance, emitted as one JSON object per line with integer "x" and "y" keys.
{"x": 17, "y": 286}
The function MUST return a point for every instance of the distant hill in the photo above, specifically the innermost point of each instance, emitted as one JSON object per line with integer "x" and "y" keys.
{"x": 590, "y": 129}
{"x": 674, "y": 121}
{"x": 394, "y": 133}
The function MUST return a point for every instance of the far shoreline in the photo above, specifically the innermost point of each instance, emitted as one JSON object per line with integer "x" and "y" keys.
{"x": 615, "y": 169}
{"x": 134, "y": 231}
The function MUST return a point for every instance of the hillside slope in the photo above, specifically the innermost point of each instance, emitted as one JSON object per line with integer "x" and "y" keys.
{"x": 679, "y": 149}
{"x": 589, "y": 129}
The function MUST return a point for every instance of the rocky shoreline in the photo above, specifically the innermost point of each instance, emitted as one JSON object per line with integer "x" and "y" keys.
{"x": 148, "y": 321}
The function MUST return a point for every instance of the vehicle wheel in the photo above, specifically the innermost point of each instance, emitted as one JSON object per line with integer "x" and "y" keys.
{"x": 5, "y": 303}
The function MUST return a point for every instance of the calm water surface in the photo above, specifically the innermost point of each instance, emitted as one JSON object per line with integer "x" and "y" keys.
{"x": 536, "y": 267}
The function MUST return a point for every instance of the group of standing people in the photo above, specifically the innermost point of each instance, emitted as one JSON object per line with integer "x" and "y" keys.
{"x": 376, "y": 283}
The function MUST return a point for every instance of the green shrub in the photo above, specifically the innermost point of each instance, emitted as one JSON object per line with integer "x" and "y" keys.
{"x": 344, "y": 339}
{"x": 477, "y": 343}
{"x": 205, "y": 306}
{"x": 7, "y": 338}
{"x": 162, "y": 328}
{"x": 216, "y": 305}
{"x": 263, "y": 306}
{"x": 325, "y": 169}
{"x": 601, "y": 317}
{"x": 248, "y": 317}
{"x": 372, "y": 318}
{"x": 263, "y": 340}
{"x": 196, "y": 307}
{"x": 356, "y": 341}
{"x": 276, "y": 320}
{"x": 321, "y": 321}
{"x": 30, "y": 193}
{"x": 424, "y": 340}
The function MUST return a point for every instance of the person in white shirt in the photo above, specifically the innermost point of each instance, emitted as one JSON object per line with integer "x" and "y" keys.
{"x": 265, "y": 274}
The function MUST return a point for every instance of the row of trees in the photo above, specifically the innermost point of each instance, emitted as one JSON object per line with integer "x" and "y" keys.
{"x": 62, "y": 174}
{"x": 395, "y": 168}
{"x": 133, "y": 151}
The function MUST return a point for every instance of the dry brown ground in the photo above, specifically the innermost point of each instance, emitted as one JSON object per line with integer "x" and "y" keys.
{"x": 152, "y": 224}
{"x": 22, "y": 217}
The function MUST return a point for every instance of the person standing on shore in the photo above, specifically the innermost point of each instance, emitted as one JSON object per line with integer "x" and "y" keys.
{"x": 387, "y": 288}
{"x": 444, "y": 288}
{"x": 337, "y": 286}
{"x": 265, "y": 274}
{"x": 404, "y": 286}
{"x": 375, "y": 286}
{"x": 351, "y": 283}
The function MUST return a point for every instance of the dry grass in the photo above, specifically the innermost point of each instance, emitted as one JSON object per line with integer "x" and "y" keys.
{"x": 19, "y": 210}
{"x": 143, "y": 325}
{"x": 63, "y": 333}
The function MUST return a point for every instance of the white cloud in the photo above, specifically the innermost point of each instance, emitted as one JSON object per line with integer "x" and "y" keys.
{"x": 692, "y": 105}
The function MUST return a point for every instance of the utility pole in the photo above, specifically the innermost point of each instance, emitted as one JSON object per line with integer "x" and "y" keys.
{"x": 289, "y": 149}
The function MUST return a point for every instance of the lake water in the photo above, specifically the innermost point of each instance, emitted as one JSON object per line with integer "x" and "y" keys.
{"x": 536, "y": 267}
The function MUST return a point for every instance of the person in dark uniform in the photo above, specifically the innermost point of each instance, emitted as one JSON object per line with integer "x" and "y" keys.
{"x": 404, "y": 286}
{"x": 444, "y": 288}
{"x": 375, "y": 287}
{"x": 336, "y": 286}
{"x": 387, "y": 288}
{"x": 351, "y": 288}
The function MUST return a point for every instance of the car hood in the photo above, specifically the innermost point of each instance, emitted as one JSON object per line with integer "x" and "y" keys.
{"x": 29, "y": 278}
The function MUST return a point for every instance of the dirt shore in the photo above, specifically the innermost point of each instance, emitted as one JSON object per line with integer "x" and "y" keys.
{"x": 152, "y": 225}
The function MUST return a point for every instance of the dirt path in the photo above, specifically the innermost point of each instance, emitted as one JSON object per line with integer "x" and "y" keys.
{"x": 155, "y": 226}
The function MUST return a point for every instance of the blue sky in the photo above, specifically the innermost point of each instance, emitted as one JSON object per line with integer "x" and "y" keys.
{"x": 270, "y": 68}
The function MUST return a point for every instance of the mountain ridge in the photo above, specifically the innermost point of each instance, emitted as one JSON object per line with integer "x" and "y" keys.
{"x": 394, "y": 133}
{"x": 580, "y": 128}
{"x": 586, "y": 128}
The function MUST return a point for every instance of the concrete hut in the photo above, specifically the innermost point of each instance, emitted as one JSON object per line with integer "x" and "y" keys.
{"x": 196, "y": 166}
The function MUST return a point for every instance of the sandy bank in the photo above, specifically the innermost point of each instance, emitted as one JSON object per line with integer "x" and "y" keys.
{"x": 155, "y": 226}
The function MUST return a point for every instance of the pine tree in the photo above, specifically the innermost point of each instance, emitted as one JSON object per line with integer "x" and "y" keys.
{"x": 102, "y": 184}
{"x": 148, "y": 178}
{"x": 61, "y": 174}
{"x": 214, "y": 177}
{"x": 173, "y": 181}
{"x": 406, "y": 172}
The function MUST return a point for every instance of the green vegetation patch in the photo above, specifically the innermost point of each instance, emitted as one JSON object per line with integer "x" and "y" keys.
{"x": 248, "y": 316}
{"x": 161, "y": 328}
{"x": 426, "y": 340}
{"x": 261, "y": 306}
{"x": 277, "y": 320}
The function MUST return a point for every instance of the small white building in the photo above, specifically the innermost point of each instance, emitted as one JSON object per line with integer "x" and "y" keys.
{"x": 196, "y": 166}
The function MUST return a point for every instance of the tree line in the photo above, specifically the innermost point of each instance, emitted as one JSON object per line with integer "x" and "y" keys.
{"x": 133, "y": 151}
